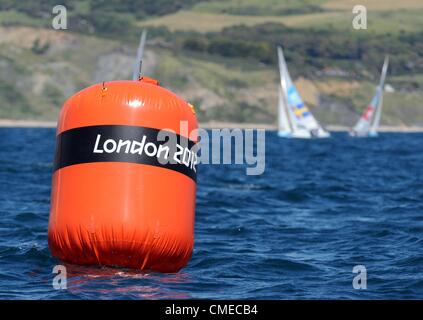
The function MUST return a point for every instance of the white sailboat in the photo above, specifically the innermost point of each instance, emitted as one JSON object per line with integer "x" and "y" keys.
{"x": 140, "y": 53}
{"x": 368, "y": 124}
{"x": 294, "y": 119}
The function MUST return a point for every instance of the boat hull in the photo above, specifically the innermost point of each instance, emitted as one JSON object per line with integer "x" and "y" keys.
{"x": 303, "y": 134}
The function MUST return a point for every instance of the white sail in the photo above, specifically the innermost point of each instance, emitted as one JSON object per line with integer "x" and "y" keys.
{"x": 378, "y": 113}
{"x": 303, "y": 123}
{"x": 369, "y": 121}
{"x": 284, "y": 128}
{"x": 140, "y": 53}
{"x": 362, "y": 128}
{"x": 284, "y": 117}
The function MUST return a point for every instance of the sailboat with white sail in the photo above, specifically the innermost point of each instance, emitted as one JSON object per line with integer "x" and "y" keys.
{"x": 140, "y": 53}
{"x": 368, "y": 124}
{"x": 294, "y": 119}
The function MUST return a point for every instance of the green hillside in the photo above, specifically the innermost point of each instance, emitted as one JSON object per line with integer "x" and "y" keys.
{"x": 220, "y": 55}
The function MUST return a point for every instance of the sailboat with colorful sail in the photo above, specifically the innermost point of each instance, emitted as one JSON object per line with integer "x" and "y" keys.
{"x": 294, "y": 119}
{"x": 140, "y": 53}
{"x": 368, "y": 124}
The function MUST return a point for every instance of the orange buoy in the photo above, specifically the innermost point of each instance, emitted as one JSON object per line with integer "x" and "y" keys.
{"x": 121, "y": 196}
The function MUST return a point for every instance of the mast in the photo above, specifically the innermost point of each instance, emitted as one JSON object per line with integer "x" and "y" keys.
{"x": 285, "y": 120}
{"x": 140, "y": 52}
{"x": 378, "y": 113}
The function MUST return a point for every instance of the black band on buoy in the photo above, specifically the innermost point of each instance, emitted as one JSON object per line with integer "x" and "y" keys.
{"x": 133, "y": 144}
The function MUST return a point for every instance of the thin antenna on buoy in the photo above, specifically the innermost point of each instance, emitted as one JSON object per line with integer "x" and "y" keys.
{"x": 140, "y": 52}
{"x": 139, "y": 71}
{"x": 103, "y": 89}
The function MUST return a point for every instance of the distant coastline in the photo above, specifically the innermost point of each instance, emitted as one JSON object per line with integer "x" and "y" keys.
{"x": 11, "y": 123}
{"x": 333, "y": 128}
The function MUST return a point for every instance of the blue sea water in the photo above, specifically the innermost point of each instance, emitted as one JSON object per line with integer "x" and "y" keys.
{"x": 295, "y": 232}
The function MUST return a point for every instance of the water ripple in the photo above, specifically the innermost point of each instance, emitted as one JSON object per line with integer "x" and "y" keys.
{"x": 297, "y": 231}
